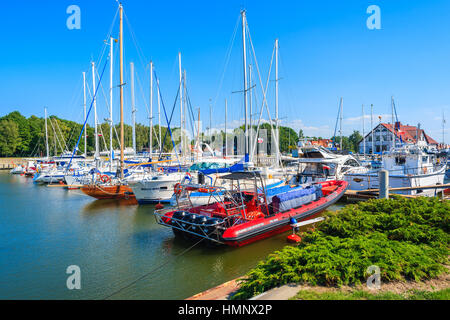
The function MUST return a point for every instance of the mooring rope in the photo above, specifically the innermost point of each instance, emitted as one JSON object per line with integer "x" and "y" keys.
{"x": 151, "y": 271}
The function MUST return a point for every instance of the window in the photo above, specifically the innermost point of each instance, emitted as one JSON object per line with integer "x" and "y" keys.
{"x": 351, "y": 162}
{"x": 400, "y": 160}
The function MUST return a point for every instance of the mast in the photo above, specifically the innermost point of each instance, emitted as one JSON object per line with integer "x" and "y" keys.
{"x": 84, "y": 109}
{"x": 159, "y": 117}
{"x": 250, "y": 111}
{"x": 133, "y": 107}
{"x": 111, "y": 61}
{"x": 443, "y": 129}
{"x": 276, "y": 101}
{"x": 121, "y": 89}
{"x": 244, "y": 55}
{"x": 97, "y": 153}
{"x": 198, "y": 134}
{"x": 340, "y": 122}
{"x": 373, "y": 129}
{"x": 46, "y": 132}
{"x": 392, "y": 115}
{"x": 184, "y": 112}
{"x": 226, "y": 141}
{"x": 150, "y": 147}
{"x": 181, "y": 103}
{"x": 363, "y": 133}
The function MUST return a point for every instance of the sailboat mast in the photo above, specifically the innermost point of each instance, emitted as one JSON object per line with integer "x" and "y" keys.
{"x": 150, "y": 146}
{"x": 185, "y": 111}
{"x": 340, "y": 123}
{"x": 226, "y": 141}
{"x": 198, "y": 134}
{"x": 46, "y": 132}
{"x": 443, "y": 129}
{"x": 97, "y": 153}
{"x": 121, "y": 89}
{"x": 363, "y": 133}
{"x": 111, "y": 62}
{"x": 133, "y": 107}
{"x": 84, "y": 109}
{"x": 373, "y": 129}
{"x": 250, "y": 112}
{"x": 276, "y": 101}
{"x": 181, "y": 103}
{"x": 393, "y": 128}
{"x": 244, "y": 55}
{"x": 159, "y": 118}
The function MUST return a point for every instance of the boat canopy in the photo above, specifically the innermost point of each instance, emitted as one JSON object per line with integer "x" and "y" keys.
{"x": 242, "y": 175}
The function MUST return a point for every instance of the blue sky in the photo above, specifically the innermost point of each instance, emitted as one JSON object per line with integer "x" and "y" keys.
{"x": 326, "y": 52}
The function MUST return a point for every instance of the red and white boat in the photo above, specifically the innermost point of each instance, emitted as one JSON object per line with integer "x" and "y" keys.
{"x": 237, "y": 218}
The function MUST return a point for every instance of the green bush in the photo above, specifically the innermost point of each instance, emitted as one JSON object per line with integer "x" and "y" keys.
{"x": 406, "y": 238}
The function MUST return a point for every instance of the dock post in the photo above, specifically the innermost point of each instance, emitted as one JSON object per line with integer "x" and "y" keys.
{"x": 383, "y": 179}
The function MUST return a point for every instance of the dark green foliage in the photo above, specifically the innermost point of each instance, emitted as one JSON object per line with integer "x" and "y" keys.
{"x": 408, "y": 239}
{"x": 21, "y": 137}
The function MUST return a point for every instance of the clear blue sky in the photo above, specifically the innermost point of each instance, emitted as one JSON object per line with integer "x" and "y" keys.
{"x": 326, "y": 51}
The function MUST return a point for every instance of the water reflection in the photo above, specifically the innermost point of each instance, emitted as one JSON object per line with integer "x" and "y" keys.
{"x": 101, "y": 205}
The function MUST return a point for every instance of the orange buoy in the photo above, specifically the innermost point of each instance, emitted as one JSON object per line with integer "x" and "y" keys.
{"x": 295, "y": 238}
{"x": 159, "y": 206}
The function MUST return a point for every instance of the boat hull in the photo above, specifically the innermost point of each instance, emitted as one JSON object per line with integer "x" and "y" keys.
{"x": 108, "y": 192}
{"x": 370, "y": 181}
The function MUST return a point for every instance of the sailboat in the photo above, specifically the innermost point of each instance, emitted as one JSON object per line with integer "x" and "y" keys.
{"x": 106, "y": 187}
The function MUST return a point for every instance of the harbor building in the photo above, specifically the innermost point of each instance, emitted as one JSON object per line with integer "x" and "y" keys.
{"x": 383, "y": 137}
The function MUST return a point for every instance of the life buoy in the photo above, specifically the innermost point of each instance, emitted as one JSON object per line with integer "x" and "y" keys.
{"x": 160, "y": 169}
{"x": 105, "y": 178}
{"x": 177, "y": 188}
{"x": 205, "y": 190}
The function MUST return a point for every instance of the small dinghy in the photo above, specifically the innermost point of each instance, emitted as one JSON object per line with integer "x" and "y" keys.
{"x": 240, "y": 217}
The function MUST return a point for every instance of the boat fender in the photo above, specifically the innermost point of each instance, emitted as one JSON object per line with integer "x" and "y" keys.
{"x": 177, "y": 188}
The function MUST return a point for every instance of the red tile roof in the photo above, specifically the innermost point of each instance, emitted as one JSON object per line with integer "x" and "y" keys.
{"x": 409, "y": 133}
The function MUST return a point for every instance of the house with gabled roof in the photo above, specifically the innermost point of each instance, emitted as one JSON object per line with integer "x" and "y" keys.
{"x": 383, "y": 136}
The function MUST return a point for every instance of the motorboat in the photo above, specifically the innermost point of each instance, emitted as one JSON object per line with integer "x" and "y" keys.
{"x": 241, "y": 216}
{"x": 409, "y": 166}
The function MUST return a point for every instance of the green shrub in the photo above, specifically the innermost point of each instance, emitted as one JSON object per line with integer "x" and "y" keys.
{"x": 407, "y": 238}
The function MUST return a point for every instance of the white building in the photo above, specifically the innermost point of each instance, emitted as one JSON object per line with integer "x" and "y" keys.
{"x": 381, "y": 138}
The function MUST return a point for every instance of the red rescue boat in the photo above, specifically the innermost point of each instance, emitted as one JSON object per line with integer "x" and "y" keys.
{"x": 237, "y": 218}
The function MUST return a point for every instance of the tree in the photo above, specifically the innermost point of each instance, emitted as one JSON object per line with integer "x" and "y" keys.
{"x": 9, "y": 137}
{"x": 354, "y": 139}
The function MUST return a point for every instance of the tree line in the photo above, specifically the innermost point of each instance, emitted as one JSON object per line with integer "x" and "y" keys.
{"x": 25, "y": 137}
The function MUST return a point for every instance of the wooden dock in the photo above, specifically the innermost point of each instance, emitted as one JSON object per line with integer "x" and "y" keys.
{"x": 367, "y": 194}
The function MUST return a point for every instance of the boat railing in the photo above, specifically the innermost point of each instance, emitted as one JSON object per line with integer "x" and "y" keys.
{"x": 212, "y": 233}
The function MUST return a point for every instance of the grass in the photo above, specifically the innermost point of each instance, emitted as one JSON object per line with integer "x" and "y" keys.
{"x": 443, "y": 294}
{"x": 408, "y": 239}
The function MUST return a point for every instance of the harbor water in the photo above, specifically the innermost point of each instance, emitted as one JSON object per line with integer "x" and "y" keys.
{"x": 44, "y": 230}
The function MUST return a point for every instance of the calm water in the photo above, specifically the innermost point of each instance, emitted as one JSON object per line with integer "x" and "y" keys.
{"x": 44, "y": 230}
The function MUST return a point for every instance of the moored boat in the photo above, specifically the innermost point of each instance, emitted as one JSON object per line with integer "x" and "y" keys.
{"x": 242, "y": 217}
{"x": 114, "y": 191}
